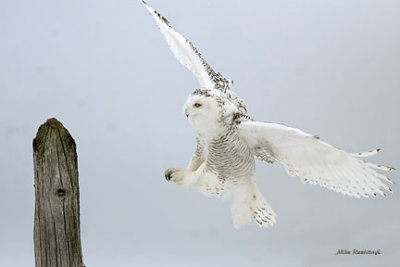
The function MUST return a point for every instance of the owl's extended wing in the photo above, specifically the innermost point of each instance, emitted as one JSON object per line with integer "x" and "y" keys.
{"x": 188, "y": 55}
{"x": 315, "y": 161}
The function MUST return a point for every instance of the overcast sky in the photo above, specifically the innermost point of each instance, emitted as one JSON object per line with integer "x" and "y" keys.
{"x": 330, "y": 68}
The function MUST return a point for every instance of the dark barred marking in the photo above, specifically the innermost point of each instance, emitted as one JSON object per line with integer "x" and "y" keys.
{"x": 240, "y": 117}
{"x": 161, "y": 17}
{"x": 202, "y": 92}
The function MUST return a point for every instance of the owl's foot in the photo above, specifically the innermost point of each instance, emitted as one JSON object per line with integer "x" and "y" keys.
{"x": 178, "y": 176}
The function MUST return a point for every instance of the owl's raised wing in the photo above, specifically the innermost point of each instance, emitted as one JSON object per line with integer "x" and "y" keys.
{"x": 315, "y": 161}
{"x": 188, "y": 55}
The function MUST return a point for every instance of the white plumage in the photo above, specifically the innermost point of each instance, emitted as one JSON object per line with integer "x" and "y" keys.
{"x": 228, "y": 142}
{"x": 315, "y": 161}
{"x": 187, "y": 54}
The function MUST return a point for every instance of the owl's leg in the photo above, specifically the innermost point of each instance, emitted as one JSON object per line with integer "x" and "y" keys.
{"x": 195, "y": 162}
{"x": 201, "y": 179}
{"x": 185, "y": 177}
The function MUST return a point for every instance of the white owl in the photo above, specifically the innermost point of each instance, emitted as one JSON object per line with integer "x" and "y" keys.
{"x": 229, "y": 141}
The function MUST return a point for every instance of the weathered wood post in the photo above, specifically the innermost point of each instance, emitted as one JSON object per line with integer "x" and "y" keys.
{"x": 56, "y": 235}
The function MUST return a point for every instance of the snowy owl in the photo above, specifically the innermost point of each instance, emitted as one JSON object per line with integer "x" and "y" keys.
{"x": 229, "y": 141}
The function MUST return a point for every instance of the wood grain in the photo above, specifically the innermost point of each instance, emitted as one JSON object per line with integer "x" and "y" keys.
{"x": 57, "y": 239}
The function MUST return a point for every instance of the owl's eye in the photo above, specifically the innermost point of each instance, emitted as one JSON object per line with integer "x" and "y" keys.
{"x": 197, "y": 105}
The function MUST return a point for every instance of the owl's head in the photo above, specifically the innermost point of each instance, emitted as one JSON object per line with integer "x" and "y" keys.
{"x": 209, "y": 111}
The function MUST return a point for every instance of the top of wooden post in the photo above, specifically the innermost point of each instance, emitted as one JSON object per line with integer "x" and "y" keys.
{"x": 45, "y": 130}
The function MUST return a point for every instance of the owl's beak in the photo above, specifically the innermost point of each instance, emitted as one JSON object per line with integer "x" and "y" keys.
{"x": 187, "y": 115}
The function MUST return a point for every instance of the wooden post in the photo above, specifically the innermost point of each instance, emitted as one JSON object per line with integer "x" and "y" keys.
{"x": 56, "y": 235}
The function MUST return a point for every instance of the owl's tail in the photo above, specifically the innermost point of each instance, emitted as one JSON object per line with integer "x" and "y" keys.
{"x": 247, "y": 203}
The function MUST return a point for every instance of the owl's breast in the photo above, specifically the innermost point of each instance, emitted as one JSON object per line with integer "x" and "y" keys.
{"x": 230, "y": 156}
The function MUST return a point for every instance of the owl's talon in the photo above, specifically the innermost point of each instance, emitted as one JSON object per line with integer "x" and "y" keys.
{"x": 175, "y": 175}
{"x": 168, "y": 176}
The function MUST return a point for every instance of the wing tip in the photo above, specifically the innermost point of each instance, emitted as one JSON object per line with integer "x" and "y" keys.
{"x": 156, "y": 15}
{"x": 145, "y": 4}
{"x": 367, "y": 153}
{"x": 380, "y": 167}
